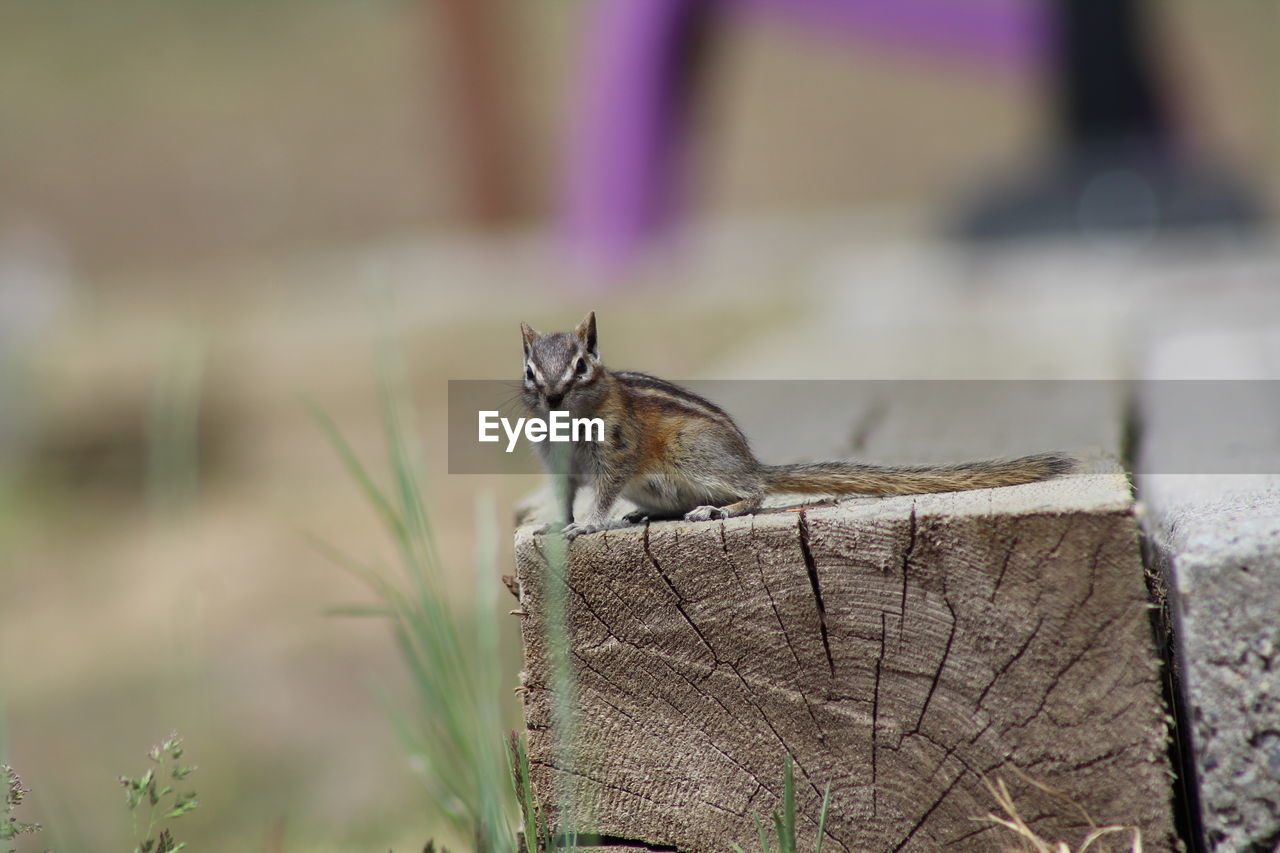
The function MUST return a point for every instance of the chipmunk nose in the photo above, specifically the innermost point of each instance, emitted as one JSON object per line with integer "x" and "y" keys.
{"x": 554, "y": 400}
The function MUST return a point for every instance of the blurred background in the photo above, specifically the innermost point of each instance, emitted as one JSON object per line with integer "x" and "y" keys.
{"x": 208, "y": 212}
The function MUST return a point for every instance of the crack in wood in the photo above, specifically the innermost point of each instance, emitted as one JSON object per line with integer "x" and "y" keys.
{"x": 1004, "y": 567}
{"x": 1093, "y": 564}
{"x": 786, "y": 636}
{"x": 666, "y": 661}
{"x": 787, "y": 750}
{"x": 924, "y": 818}
{"x": 599, "y": 840}
{"x": 1076, "y": 657}
{"x": 812, "y": 567}
{"x": 942, "y": 664}
{"x": 987, "y": 828}
{"x": 1077, "y": 766}
{"x": 906, "y": 564}
{"x": 604, "y": 678}
{"x": 710, "y": 739}
{"x": 1026, "y": 644}
{"x": 728, "y": 557}
{"x": 679, "y": 602}
{"x": 875, "y": 716}
{"x": 951, "y": 752}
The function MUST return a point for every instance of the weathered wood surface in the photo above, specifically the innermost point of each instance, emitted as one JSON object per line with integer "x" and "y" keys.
{"x": 1214, "y": 499}
{"x": 901, "y": 650}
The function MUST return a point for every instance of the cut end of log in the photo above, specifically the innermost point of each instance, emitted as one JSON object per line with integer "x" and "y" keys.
{"x": 906, "y": 651}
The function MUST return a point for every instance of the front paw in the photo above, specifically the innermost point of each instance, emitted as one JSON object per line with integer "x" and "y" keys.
{"x": 705, "y": 513}
{"x": 580, "y": 528}
{"x": 637, "y": 517}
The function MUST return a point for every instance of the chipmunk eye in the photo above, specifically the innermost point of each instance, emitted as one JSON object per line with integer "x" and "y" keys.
{"x": 528, "y": 372}
{"x": 581, "y": 367}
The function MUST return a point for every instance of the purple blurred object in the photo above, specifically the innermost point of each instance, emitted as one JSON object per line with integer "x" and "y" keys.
{"x": 626, "y": 140}
{"x": 1008, "y": 35}
{"x": 626, "y": 157}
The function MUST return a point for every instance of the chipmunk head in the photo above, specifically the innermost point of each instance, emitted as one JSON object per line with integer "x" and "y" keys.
{"x": 561, "y": 369}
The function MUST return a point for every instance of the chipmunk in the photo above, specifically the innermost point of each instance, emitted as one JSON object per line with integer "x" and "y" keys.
{"x": 677, "y": 455}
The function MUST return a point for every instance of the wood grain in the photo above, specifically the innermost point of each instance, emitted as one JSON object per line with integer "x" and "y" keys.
{"x": 901, "y": 650}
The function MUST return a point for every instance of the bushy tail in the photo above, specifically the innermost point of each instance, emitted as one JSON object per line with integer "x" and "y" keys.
{"x": 843, "y": 478}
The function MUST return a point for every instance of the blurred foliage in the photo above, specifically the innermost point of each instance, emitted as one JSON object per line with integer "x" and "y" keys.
{"x": 154, "y": 796}
{"x": 454, "y": 732}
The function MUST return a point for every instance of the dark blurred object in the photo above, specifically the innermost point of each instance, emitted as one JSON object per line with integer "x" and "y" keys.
{"x": 1118, "y": 165}
{"x": 628, "y": 159}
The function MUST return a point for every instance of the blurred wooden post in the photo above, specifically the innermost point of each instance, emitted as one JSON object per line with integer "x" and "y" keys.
{"x": 479, "y": 81}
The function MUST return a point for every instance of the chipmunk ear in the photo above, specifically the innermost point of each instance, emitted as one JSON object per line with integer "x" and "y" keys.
{"x": 529, "y": 336}
{"x": 586, "y": 333}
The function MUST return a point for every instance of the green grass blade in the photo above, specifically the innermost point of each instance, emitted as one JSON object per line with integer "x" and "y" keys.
{"x": 822, "y": 818}
{"x": 360, "y": 610}
{"x": 371, "y": 576}
{"x": 173, "y": 426}
{"x": 393, "y": 386}
{"x": 533, "y": 824}
{"x": 452, "y": 655}
{"x": 787, "y": 834}
{"x": 765, "y": 846}
{"x": 487, "y": 677}
{"x": 357, "y": 471}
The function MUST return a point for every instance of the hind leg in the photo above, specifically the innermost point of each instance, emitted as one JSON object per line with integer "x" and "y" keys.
{"x": 746, "y": 506}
